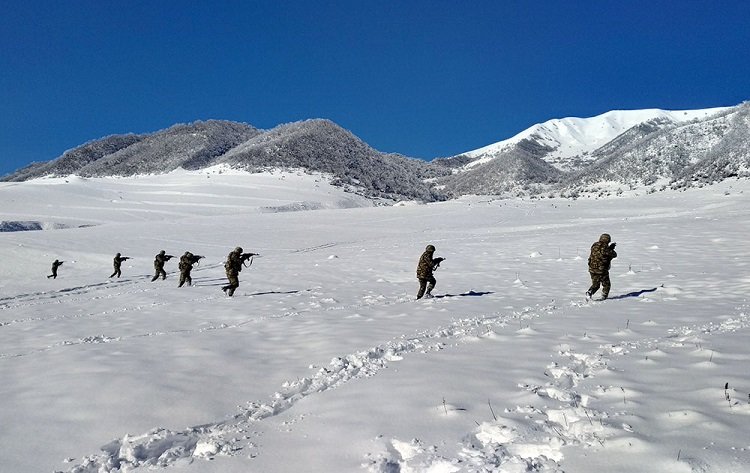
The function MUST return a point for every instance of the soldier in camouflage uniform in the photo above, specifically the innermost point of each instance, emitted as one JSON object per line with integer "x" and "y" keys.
{"x": 55, "y": 264}
{"x": 186, "y": 265}
{"x": 427, "y": 264}
{"x": 117, "y": 262}
{"x": 602, "y": 254}
{"x": 233, "y": 266}
{"x": 159, "y": 261}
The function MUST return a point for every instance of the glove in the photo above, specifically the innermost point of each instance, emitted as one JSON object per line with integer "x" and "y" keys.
{"x": 613, "y": 245}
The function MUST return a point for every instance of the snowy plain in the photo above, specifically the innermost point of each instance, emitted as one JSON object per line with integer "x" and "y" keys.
{"x": 324, "y": 362}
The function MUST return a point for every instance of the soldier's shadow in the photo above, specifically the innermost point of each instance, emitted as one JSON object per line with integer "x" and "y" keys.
{"x": 465, "y": 294}
{"x": 634, "y": 293}
{"x": 271, "y": 292}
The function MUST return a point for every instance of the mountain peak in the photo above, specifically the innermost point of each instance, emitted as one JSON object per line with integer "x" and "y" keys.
{"x": 573, "y": 137}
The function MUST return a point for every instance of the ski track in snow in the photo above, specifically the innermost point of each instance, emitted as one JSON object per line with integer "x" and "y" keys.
{"x": 525, "y": 439}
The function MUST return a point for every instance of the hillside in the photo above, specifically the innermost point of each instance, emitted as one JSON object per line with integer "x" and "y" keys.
{"x": 569, "y": 140}
{"x": 312, "y": 145}
{"x": 617, "y": 150}
{"x": 323, "y": 146}
{"x": 516, "y": 167}
{"x": 592, "y": 155}
{"x": 708, "y": 150}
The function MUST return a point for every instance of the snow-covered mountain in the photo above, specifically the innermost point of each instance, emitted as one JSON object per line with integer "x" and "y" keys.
{"x": 313, "y": 145}
{"x": 699, "y": 151}
{"x": 568, "y": 141}
{"x": 618, "y": 149}
{"x": 323, "y": 146}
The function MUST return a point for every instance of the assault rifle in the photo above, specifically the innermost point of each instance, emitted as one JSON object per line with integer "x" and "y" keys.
{"x": 436, "y": 263}
{"x": 247, "y": 256}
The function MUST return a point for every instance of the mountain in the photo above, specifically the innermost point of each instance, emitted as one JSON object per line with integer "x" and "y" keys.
{"x": 190, "y": 146}
{"x": 638, "y": 148}
{"x": 76, "y": 159}
{"x": 728, "y": 157}
{"x": 516, "y": 167}
{"x": 568, "y": 141}
{"x": 313, "y": 145}
{"x": 323, "y": 146}
{"x": 706, "y": 150}
{"x": 618, "y": 149}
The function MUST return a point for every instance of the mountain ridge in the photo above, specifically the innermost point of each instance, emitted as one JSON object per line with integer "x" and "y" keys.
{"x": 636, "y": 148}
{"x": 572, "y": 136}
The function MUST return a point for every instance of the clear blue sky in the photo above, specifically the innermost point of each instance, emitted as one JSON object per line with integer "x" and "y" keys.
{"x": 422, "y": 78}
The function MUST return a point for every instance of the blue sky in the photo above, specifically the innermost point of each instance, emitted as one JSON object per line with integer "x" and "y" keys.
{"x": 421, "y": 78}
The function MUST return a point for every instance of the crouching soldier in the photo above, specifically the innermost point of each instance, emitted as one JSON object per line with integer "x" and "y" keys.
{"x": 55, "y": 264}
{"x": 427, "y": 265}
{"x": 159, "y": 261}
{"x": 602, "y": 254}
{"x": 117, "y": 263}
{"x": 186, "y": 265}
{"x": 234, "y": 264}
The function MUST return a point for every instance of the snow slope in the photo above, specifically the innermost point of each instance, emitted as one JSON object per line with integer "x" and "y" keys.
{"x": 323, "y": 362}
{"x": 571, "y": 137}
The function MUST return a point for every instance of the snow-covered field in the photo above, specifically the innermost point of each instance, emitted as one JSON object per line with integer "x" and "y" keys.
{"x": 323, "y": 362}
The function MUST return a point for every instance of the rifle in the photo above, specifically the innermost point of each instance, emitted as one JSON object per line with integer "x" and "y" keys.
{"x": 245, "y": 257}
{"x": 436, "y": 263}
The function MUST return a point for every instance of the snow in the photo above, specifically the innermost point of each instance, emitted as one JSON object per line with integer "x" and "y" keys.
{"x": 323, "y": 362}
{"x": 573, "y": 136}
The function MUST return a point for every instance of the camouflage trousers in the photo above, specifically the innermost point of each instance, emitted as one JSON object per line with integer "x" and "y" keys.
{"x": 423, "y": 285}
{"x": 159, "y": 272}
{"x": 116, "y": 273}
{"x": 185, "y": 278}
{"x": 599, "y": 279}
{"x": 234, "y": 282}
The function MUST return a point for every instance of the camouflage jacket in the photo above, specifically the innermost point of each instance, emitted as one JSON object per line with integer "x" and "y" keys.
{"x": 234, "y": 262}
{"x": 119, "y": 259}
{"x": 602, "y": 254}
{"x": 426, "y": 265}
{"x": 187, "y": 262}
{"x": 160, "y": 259}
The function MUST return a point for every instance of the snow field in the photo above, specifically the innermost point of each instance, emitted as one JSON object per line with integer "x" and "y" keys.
{"x": 323, "y": 362}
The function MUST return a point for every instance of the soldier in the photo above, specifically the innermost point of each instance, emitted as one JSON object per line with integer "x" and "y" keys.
{"x": 427, "y": 264}
{"x": 186, "y": 265}
{"x": 55, "y": 264}
{"x": 159, "y": 261}
{"x": 235, "y": 261}
{"x": 602, "y": 254}
{"x": 117, "y": 262}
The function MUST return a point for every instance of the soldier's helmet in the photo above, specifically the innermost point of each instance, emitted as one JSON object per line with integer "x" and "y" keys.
{"x": 162, "y": 252}
{"x": 605, "y": 238}
{"x": 188, "y": 254}
{"x": 118, "y": 255}
{"x": 238, "y": 249}
{"x": 430, "y": 248}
